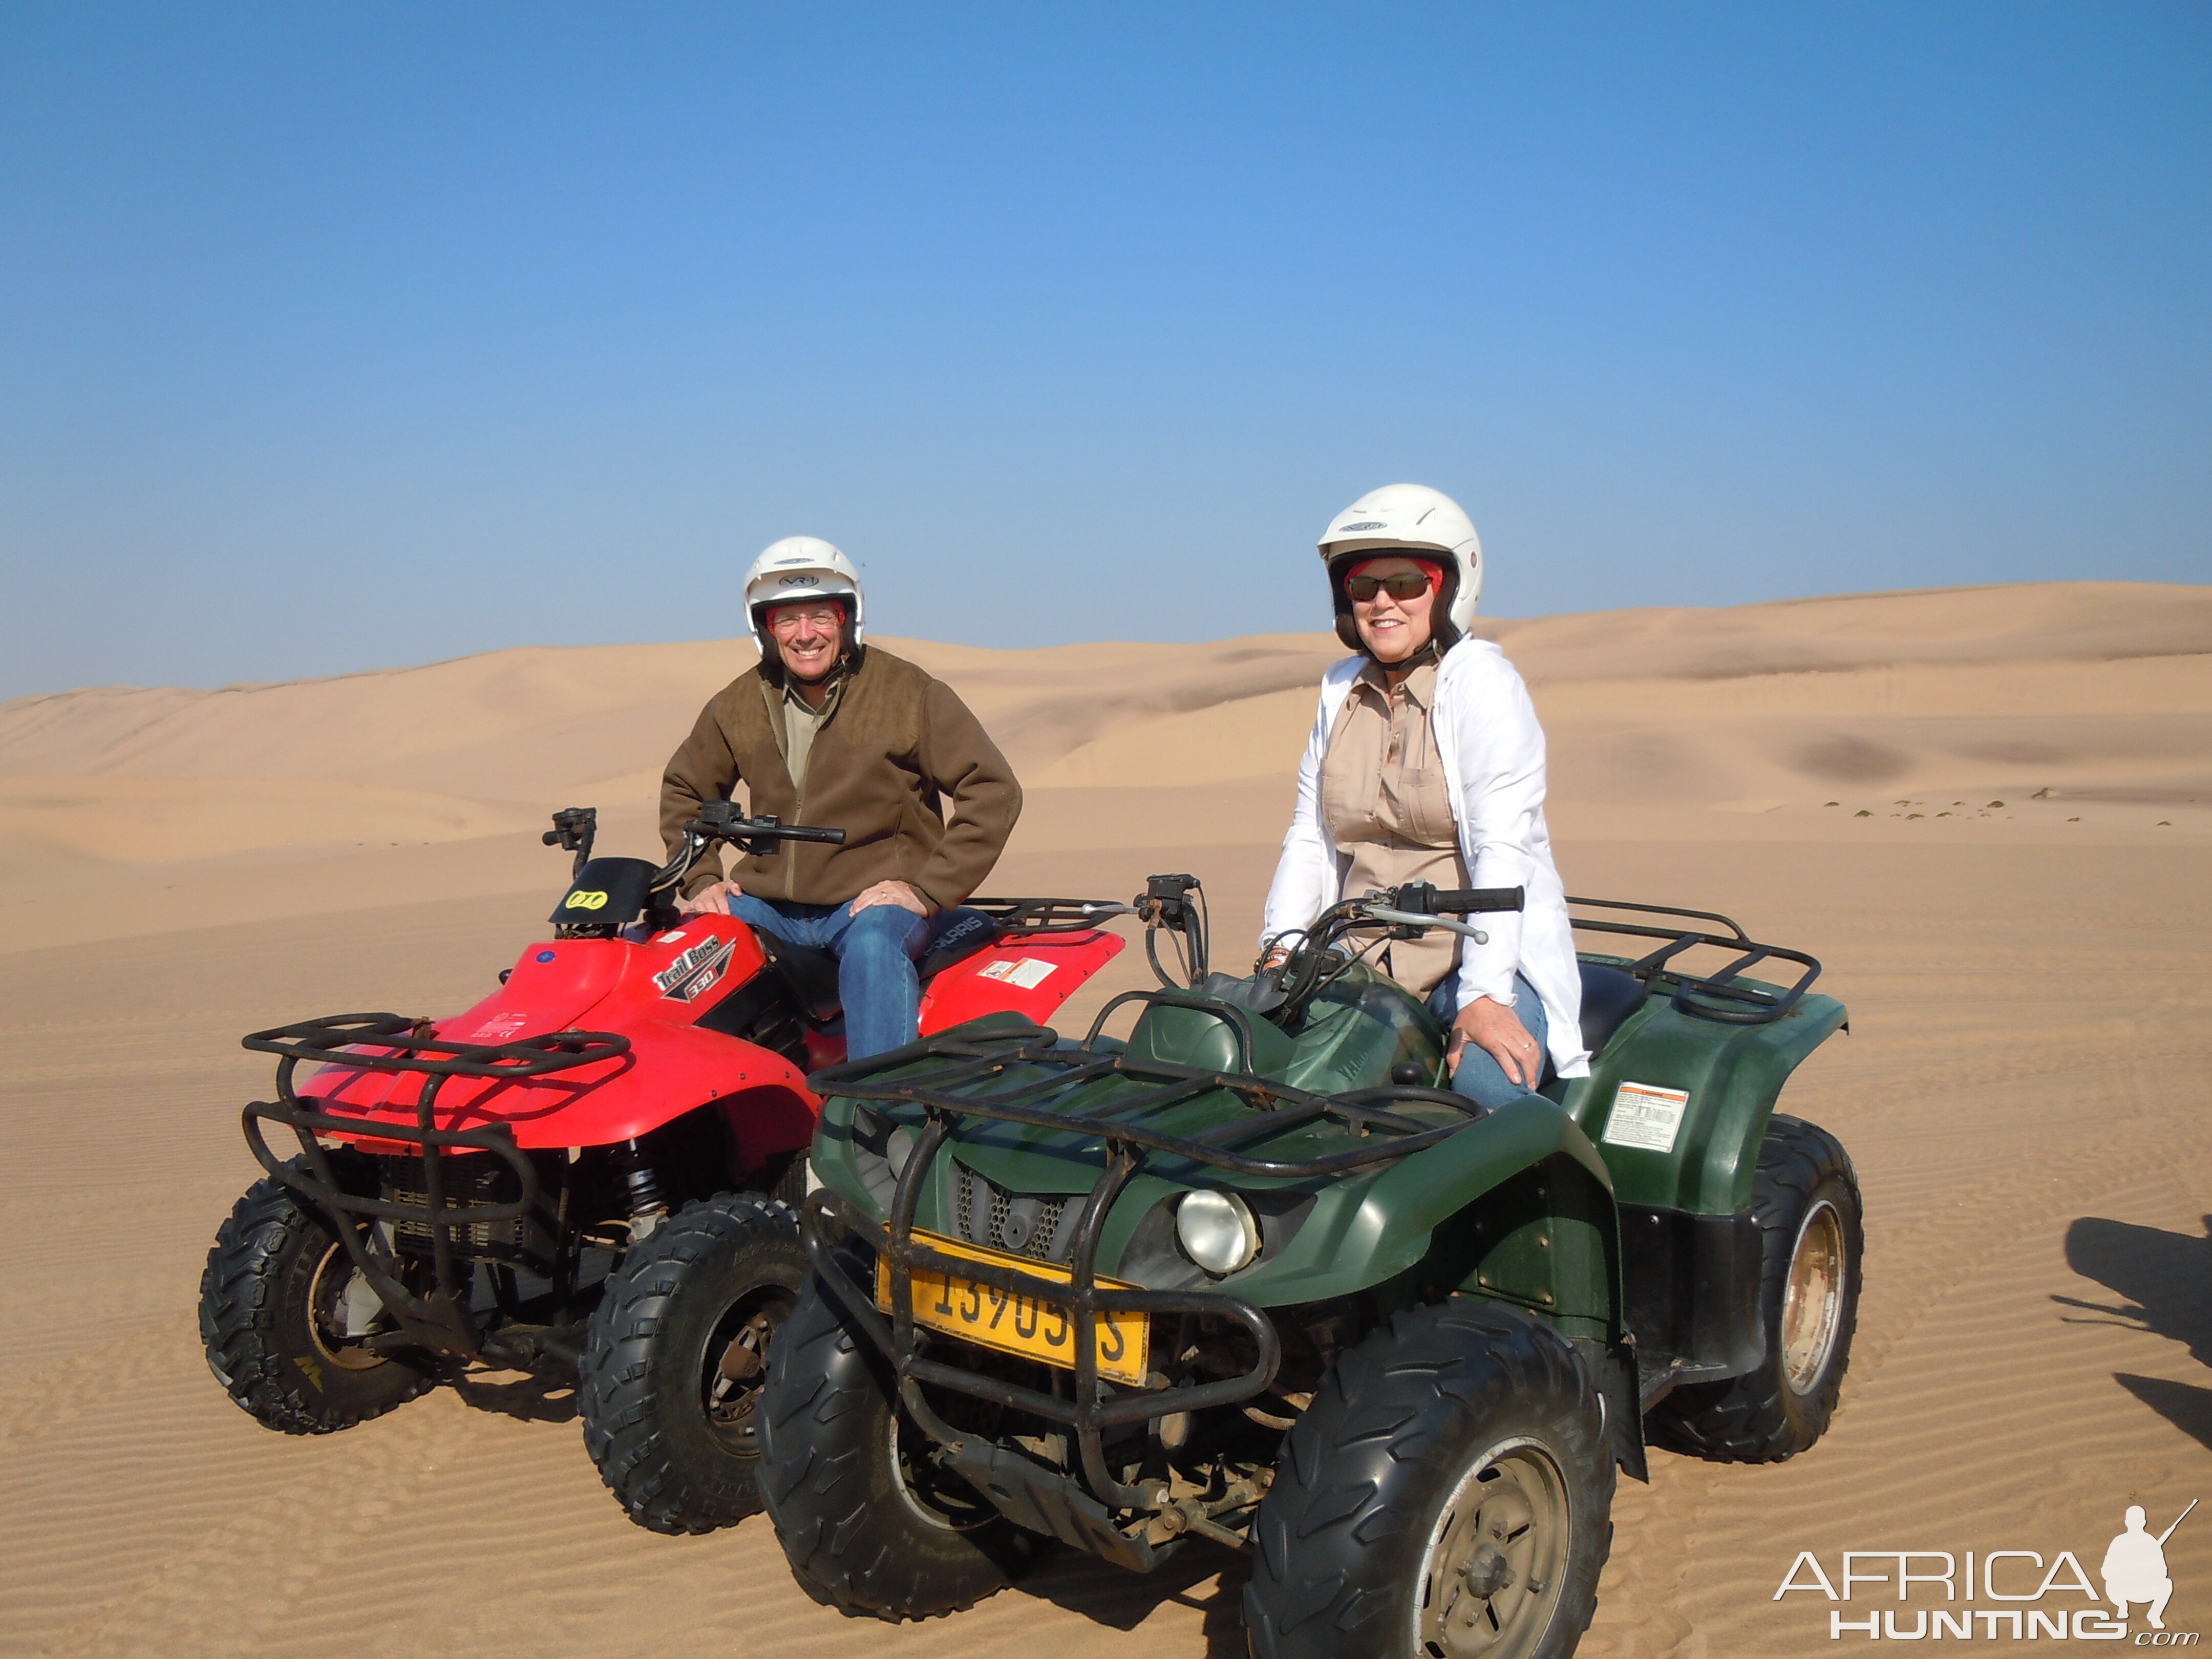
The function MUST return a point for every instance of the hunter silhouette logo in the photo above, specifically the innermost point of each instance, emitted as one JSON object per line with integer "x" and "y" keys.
{"x": 1937, "y": 1594}
{"x": 2135, "y": 1566}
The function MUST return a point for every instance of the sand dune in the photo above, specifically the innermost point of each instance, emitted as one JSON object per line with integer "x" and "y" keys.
{"x": 2024, "y": 1087}
{"x": 1935, "y": 702}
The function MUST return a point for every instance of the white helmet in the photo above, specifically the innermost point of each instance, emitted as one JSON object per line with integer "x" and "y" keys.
{"x": 801, "y": 568}
{"x": 1417, "y": 521}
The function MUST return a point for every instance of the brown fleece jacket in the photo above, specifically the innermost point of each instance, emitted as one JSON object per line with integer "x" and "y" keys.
{"x": 895, "y": 745}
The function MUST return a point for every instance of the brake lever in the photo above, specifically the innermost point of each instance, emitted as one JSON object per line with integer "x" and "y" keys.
{"x": 1408, "y": 919}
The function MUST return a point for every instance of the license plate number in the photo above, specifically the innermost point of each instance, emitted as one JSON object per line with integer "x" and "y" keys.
{"x": 1016, "y": 1321}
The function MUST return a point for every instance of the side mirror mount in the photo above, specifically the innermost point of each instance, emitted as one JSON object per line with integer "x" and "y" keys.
{"x": 575, "y": 829}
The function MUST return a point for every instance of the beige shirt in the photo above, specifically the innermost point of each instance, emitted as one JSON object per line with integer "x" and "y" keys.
{"x": 1385, "y": 803}
{"x": 800, "y": 723}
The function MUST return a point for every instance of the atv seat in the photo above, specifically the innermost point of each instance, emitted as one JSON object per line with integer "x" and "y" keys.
{"x": 954, "y": 936}
{"x": 1609, "y": 997}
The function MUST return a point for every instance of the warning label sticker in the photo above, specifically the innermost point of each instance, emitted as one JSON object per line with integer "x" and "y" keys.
{"x": 1647, "y": 1116}
{"x": 1027, "y": 972}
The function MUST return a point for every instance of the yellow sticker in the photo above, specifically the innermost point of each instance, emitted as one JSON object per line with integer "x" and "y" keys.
{"x": 586, "y": 902}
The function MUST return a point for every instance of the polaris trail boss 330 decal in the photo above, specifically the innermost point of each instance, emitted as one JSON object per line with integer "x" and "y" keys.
{"x": 697, "y": 970}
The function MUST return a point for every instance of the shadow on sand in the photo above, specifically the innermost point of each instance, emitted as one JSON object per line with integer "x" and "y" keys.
{"x": 525, "y": 1396}
{"x": 1121, "y": 1599}
{"x": 2165, "y": 1280}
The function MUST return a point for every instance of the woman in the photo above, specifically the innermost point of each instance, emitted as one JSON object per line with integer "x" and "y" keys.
{"x": 1426, "y": 764}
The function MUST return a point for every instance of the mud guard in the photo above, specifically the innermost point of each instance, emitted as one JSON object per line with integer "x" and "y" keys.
{"x": 1730, "y": 1077}
{"x": 1360, "y": 1236}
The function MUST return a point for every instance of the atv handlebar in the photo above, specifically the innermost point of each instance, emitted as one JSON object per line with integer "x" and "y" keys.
{"x": 1423, "y": 900}
{"x": 1317, "y": 953}
{"x": 720, "y": 820}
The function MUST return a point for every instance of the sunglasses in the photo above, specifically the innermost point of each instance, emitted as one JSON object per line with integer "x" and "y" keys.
{"x": 788, "y": 618}
{"x": 1406, "y": 585}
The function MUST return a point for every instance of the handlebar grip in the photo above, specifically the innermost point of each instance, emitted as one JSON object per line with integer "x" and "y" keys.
{"x": 794, "y": 832}
{"x": 1471, "y": 899}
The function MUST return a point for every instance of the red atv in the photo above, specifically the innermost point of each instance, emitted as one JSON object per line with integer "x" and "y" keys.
{"x": 594, "y": 1169}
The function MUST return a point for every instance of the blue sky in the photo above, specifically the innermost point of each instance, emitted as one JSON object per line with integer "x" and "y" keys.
{"x": 347, "y": 337}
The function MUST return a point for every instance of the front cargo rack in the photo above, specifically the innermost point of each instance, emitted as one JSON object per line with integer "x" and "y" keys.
{"x": 1717, "y": 995}
{"x": 392, "y": 1042}
{"x": 1117, "y": 1123}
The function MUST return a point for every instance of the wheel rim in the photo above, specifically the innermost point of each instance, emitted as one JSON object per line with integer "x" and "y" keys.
{"x": 1497, "y": 1561}
{"x": 327, "y": 1322}
{"x": 1812, "y": 1304}
{"x": 734, "y": 1367}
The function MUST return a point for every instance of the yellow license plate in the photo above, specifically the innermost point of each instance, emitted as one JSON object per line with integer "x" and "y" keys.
{"x": 1016, "y": 1321}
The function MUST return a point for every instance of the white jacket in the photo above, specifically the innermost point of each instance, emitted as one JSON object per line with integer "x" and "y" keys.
{"x": 1493, "y": 757}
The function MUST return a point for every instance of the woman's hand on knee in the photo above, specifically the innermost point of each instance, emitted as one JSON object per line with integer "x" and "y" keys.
{"x": 1498, "y": 1031}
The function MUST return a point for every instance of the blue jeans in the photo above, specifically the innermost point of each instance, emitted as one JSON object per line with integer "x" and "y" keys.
{"x": 876, "y": 952}
{"x": 1479, "y": 1075}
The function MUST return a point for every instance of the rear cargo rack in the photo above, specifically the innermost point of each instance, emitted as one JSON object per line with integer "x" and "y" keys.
{"x": 1715, "y": 996}
{"x": 395, "y": 1043}
{"x": 1049, "y": 915}
{"x": 1117, "y": 1120}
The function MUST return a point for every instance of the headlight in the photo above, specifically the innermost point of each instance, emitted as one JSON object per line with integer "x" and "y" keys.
{"x": 1217, "y": 1231}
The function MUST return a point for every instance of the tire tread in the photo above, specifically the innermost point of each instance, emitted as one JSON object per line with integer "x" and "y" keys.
{"x": 241, "y": 1286}
{"x": 1746, "y": 1419}
{"x": 1345, "y": 1486}
{"x": 619, "y": 1389}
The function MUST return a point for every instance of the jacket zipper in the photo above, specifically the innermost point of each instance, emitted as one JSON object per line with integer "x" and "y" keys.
{"x": 798, "y": 816}
{"x": 799, "y": 787}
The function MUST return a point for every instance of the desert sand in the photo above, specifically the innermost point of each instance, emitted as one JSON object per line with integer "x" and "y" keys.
{"x": 1987, "y": 812}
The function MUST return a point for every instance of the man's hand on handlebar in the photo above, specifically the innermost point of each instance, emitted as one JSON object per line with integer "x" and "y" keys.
{"x": 1496, "y": 1029}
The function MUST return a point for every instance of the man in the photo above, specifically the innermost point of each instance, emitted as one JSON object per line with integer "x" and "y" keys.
{"x": 829, "y": 732}
{"x": 2135, "y": 1568}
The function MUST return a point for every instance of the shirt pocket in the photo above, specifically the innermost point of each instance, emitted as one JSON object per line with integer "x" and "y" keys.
{"x": 1347, "y": 800}
{"x": 1424, "y": 808}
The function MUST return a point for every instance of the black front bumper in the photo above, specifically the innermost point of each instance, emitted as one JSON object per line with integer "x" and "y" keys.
{"x": 1077, "y": 1511}
{"x": 438, "y": 1319}
{"x": 1024, "y": 1074}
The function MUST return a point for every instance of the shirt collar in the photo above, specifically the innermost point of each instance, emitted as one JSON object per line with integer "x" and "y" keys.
{"x": 836, "y": 683}
{"x": 1421, "y": 686}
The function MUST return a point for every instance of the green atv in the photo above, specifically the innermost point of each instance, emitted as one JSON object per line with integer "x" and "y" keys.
{"x": 1255, "y": 1275}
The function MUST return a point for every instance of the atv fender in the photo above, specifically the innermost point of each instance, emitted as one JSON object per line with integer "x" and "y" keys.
{"x": 670, "y": 1070}
{"x": 1691, "y": 1249}
{"x": 1553, "y": 1247}
{"x": 1733, "y": 1075}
